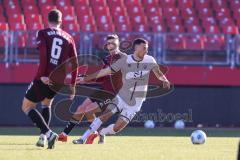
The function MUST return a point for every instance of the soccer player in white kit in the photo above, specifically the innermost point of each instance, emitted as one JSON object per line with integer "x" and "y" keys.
{"x": 135, "y": 70}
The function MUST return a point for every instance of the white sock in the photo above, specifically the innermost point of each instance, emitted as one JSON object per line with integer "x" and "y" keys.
{"x": 43, "y": 136}
{"x": 48, "y": 133}
{"x": 93, "y": 127}
{"x": 107, "y": 130}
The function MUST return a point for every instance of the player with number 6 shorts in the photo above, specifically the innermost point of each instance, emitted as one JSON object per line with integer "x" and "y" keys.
{"x": 55, "y": 48}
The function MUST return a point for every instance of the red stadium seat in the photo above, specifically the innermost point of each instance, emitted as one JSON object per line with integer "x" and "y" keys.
{"x": 30, "y": 9}
{"x": 205, "y": 12}
{"x": 177, "y": 29}
{"x": 188, "y": 12}
{"x": 135, "y": 11}
{"x": 62, "y": 3}
{"x": 194, "y": 29}
{"x": 71, "y": 27}
{"x": 138, "y": 20}
{"x": 174, "y": 20}
{"x": 11, "y": 3}
{"x": 86, "y": 19}
{"x": 153, "y": 11}
{"x": 16, "y": 18}
{"x": 67, "y": 10}
{"x": 158, "y": 28}
{"x": 194, "y": 43}
{"x": 214, "y": 43}
{"x": 141, "y": 28}
{"x": 175, "y": 42}
{"x": 28, "y": 2}
{"x": 87, "y": 27}
{"x": 208, "y": 21}
{"x": 185, "y": 4}
{"x": 45, "y": 2}
{"x": 156, "y": 20}
{"x": 106, "y": 27}
{"x": 213, "y": 29}
{"x": 226, "y": 21}
{"x": 118, "y": 11}
{"x": 34, "y": 26}
{"x": 218, "y": 4}
{"x": 202, "y": 4}
{"x": 98, "y": 3}
{"x": 113, "y": 3}
{"x": 231, "y": 29}
{"x": 150, "y": 3}
{"x": 101, "y": 10}
{"x": 121, "y": 20}
{"x": 191, "y": 21}
{"x": 81, "y": 3}
{"x": 167, "y": 3}
{"x": 169, "y": 12}
{"x": 223, "y": 13}
{"x": 123, "y": 28}
{"x": 33, "y": 18}
{"x": 2, "y": 18}
{"x": 4, "y": 26}
{"x": 17, "y": 26}
{"x": 235, "y": 4}
{"x": 132, "y": 3}
{"x": 83, "y": 10}
{"x": 14, "y": 9}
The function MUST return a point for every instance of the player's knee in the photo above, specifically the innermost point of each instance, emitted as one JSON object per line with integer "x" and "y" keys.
{"x": 27, "y": 105}
{"x": 116, "y": 128}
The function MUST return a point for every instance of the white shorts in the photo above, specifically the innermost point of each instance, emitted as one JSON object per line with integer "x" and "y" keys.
{"x": 127, "y": 111}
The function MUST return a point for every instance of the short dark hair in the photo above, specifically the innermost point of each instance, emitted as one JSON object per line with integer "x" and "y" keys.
{"x": 112, "y": 36}
{"x": 139, "y": 41}
{"x": 54, "y": 16}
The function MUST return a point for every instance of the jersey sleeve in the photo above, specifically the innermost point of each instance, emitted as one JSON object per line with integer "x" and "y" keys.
{"x": 74, "y": 62}
{"x": 153, "y": 63}
{"x": 42, "y": 47}
{"x": 118, "y": 65}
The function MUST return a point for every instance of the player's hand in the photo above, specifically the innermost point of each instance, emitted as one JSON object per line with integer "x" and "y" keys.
{"x": 166, "y": 84}
{"x": 46, "y": 80}
{"x": 80, "y": 80}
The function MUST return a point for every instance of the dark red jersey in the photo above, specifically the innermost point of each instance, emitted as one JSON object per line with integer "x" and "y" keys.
{"x": 55, "y": 47}
{"x": 111, "y": 83}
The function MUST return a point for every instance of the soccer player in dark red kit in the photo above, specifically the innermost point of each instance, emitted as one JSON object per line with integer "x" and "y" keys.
{"x": 111, "y": 84}
{"x": 55, "y": 47}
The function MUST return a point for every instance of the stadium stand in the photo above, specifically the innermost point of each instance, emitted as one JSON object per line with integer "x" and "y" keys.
{"x": 197, "y": 26}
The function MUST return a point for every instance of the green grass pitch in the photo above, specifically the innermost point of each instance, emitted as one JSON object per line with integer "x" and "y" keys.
{"x": 133, "y": 143}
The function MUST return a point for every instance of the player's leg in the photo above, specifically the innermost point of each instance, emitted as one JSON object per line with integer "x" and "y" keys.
{"x": 32, "y": 97}
{"x": 78, "y": 116}
{"x": 46, "y": 110}
{"x": 97, "y": 123}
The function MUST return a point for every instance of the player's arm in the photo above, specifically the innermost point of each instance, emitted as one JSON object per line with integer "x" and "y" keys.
{"x": 159, "y": 74}
{"x": 103, "y": 72}
{"x": 41, "y": 45}
{"x": 113, "y": 68}
{"x": 74, "y": 66}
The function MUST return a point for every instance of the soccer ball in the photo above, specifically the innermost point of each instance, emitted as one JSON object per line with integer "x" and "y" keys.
{"x": 179, "y": 124}
{"x": 149, "y": 124}
{"x": 198, "y": 137}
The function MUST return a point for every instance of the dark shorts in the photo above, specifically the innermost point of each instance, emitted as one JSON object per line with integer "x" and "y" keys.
{"x": 38, "y": 91}
{"x": 102, "y": 103}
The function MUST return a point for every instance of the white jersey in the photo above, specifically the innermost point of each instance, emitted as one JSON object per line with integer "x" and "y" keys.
{"x": 135, "y": 76}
